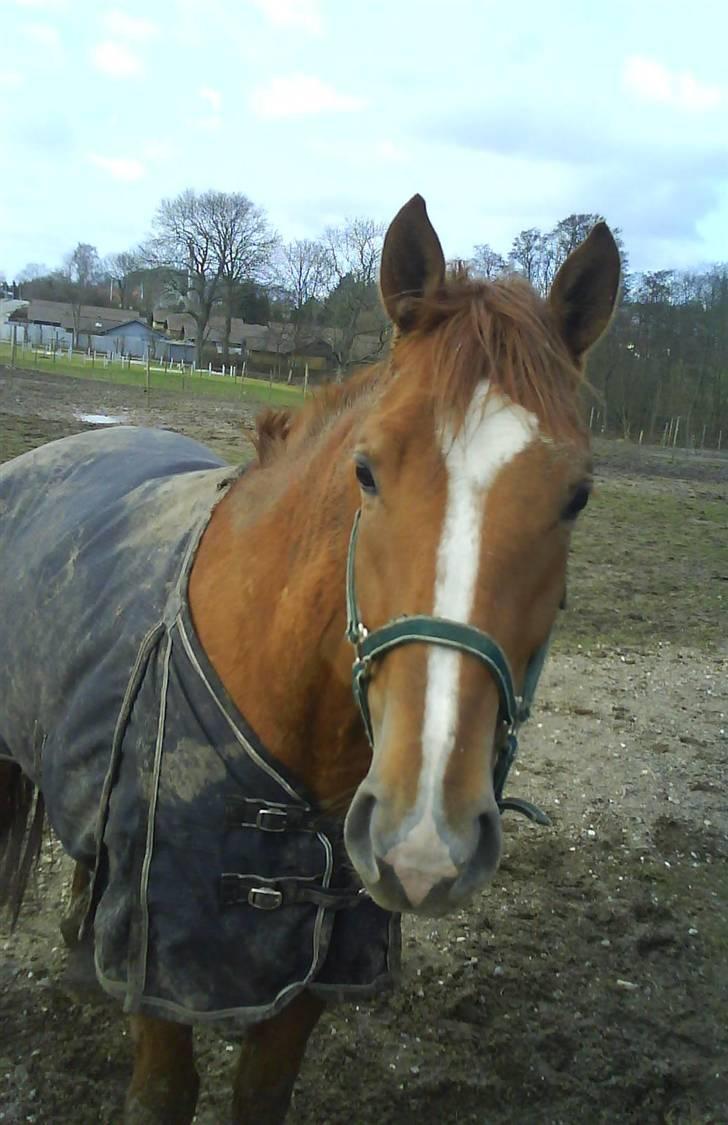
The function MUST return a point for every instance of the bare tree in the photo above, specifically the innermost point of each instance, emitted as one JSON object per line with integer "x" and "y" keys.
{"x": 243, "y": 244}
{"x": 486, "y": 262}
{"x": 120, "y": 269}
{"x": 354, "y": 251}
{"x": 183, "y": 242}
{"x": 83, "y": 265}
{"x": 83, "y": 272}
{"x": 525, "y": 252}
{"x": 32, "y": 271}
{"x": 304, "y": 273}
{"x": 571, "y": 232}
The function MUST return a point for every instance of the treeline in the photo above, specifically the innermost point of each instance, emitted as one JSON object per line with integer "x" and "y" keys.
{"x": 661, "y": 373}
{"x": 662, "y": 368}
{"x": 215, "y": 254}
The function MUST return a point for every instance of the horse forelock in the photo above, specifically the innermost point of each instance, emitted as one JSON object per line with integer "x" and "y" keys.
{"x": 500, "y": 333}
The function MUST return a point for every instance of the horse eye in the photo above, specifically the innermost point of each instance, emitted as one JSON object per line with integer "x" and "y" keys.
{"x": 577, "y": 503}
{"x": 365, "y": 477}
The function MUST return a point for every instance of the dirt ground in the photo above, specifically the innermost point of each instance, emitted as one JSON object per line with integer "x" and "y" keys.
{"x": 590, "y": 981}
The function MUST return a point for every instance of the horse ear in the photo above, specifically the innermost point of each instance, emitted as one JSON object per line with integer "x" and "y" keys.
{"x": 272, "y": 429}
{"x": 413, "y": 264}
{"x": 585, "y": 289}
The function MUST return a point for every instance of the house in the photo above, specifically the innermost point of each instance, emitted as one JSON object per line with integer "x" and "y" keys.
{"x": 277, "y": 346}
{"x": 8, "y": 328}
{"x": 55, "y": 322}
{"x": 110, "y": 331}
{"x": 283, "y": 347}
{"x": 244, "y": 337}
{"x": 8, "y": 306}
{"x": 133, "y": 337}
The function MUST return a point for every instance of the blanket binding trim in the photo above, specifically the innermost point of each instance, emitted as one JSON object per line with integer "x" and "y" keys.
{"x": 136, "y": 987}
{"x": 240, "y": 737}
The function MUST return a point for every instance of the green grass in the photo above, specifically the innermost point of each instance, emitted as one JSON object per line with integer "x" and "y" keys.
{"x": 80, "y": 366}
{"x": 648, "y": 564}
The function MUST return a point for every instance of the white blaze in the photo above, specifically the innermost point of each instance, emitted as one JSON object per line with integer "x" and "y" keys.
{"x": 495, "y": 430}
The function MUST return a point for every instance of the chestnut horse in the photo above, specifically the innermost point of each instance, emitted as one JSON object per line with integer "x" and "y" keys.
{"x": 460, "y": 463}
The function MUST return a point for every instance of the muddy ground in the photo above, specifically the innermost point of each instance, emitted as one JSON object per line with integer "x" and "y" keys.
{"x": 590, "y": 981}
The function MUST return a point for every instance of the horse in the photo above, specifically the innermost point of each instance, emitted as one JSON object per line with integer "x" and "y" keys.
{"x": 404, "y": 534}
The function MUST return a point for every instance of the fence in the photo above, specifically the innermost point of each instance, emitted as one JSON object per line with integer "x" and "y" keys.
{"x": 670, "y": 432}
{"x": 54, "y": 339}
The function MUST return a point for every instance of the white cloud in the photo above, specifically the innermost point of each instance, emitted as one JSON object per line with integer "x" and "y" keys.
{"x": 388, "y": 150}
{"x": 299, "y": 15}
{"x": 212, "y": 97}
{"x": 127, "y": 170}
{"x": 159, "y": 150}
{"x": 209, "y": 122}
{"x": 11, "y": 80}
{"x": 129, "y": 27}
{"x": 43, "y": 5}
{"x": 115, "y": 60}
{"x": 300, "y": 95}
{"x": 43, "y": 35}
{"x": 653, "y": 82}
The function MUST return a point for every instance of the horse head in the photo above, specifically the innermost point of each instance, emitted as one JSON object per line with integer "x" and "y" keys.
{"x": 470, "y": 468}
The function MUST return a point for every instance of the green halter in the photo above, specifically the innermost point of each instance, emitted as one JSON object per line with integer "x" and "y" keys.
{"x": 422, "y": 629}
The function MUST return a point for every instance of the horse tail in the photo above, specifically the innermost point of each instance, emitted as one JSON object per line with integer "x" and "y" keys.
{"x": 22, "y": 817}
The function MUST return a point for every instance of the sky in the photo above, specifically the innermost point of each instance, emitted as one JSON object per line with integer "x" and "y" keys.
{"x": 504, "y": 116}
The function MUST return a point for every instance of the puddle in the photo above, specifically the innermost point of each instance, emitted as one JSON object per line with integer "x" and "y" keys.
{"x": 99, "y": 419}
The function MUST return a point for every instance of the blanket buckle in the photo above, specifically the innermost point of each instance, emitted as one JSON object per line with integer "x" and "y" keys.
{"x": 271, "y": 820}
{"x": 265, "y": 898}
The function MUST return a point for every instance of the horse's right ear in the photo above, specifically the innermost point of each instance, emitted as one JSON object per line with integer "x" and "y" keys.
{"x": 413, "y": 264}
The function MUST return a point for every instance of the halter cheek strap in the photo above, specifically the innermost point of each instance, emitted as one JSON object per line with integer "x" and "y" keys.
{"x": 423, "y": 629}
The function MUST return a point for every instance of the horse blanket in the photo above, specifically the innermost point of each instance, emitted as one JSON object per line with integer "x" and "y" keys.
{"x": 219, "y": 892}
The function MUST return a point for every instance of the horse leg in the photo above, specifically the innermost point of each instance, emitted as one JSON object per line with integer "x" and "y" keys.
{"x": 269, "y": 1062}
{"x": 21, "y": 833}
{"x": 79, "y": 975}
{"x": 164, "y": 1085}
{"x": 77, "y": 907}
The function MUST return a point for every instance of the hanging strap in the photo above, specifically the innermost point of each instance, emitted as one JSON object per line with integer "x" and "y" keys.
{"x": 271, "y": 894}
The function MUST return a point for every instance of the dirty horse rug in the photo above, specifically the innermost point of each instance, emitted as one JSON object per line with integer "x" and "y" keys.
{"x": 219, "y": 892}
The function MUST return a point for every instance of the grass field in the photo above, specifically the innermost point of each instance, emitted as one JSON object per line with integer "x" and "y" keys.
{"x": 659, "y": 547}
{"x": 222, "y": 386}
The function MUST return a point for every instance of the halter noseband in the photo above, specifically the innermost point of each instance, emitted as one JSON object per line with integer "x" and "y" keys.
{"x": 422, "y": 629}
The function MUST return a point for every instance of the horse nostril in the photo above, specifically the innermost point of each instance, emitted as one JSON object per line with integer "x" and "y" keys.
{"x": 358, "y": 835}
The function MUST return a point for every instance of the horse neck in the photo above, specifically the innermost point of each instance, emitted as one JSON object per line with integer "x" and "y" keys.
{"x": 267, "y": 596}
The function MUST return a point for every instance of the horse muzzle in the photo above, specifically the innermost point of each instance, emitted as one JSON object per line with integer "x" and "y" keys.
{"x": 420, "y": 864}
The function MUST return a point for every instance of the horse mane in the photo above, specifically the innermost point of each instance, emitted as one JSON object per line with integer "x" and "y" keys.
{"x": 285, "y": 430}
{"x": 469, "y": 331}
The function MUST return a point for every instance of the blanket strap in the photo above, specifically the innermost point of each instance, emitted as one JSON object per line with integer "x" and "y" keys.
{"x": 270, "y": 816}
{"x": 270, "y": 894}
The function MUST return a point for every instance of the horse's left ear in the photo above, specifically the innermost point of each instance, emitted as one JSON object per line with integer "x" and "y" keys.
{"x": 413, "y": 264}
{"x": 272, "y": 429}
{"x": 585, "y": 290}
